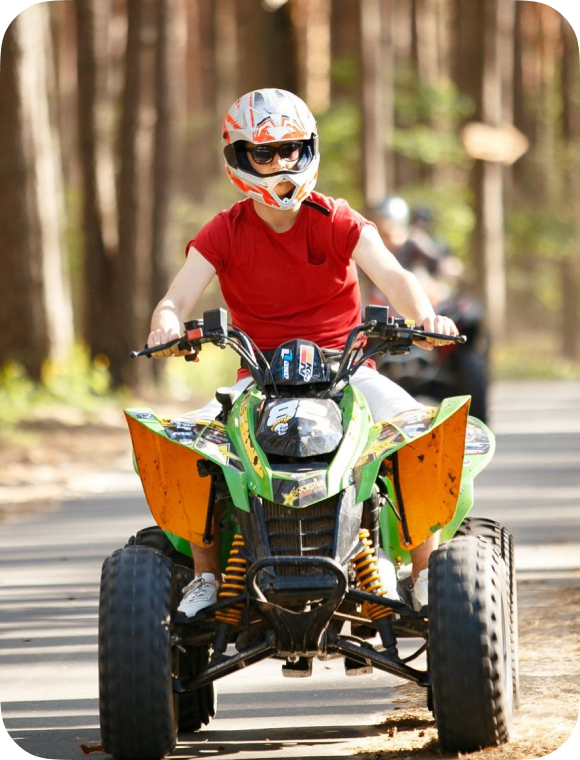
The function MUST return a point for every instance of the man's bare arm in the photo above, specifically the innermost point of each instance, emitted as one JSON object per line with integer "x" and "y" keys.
{"x": 401, "y": 288}
{"x": 179, "y": 301}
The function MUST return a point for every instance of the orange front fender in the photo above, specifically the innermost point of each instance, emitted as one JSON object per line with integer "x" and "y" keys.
{"x": 428, "y": 477}
{"x": 177, "y": 496}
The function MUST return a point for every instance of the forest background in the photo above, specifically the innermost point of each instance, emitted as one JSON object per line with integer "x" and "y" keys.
{"x": 110, "y": 160}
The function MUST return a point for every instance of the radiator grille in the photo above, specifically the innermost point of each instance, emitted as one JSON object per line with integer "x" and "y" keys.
{"x": 304, "y": 532}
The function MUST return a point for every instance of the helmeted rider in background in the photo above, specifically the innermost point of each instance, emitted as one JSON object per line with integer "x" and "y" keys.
{"x": 286, "y": 259}
{"x": 406, "y": 232}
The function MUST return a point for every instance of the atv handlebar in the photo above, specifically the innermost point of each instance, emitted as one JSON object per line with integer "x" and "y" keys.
{"x": 182, "y": 343}
{"x": 395, "y": 336}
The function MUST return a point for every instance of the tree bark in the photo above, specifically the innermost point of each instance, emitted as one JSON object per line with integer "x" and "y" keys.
{"x": 165, "y": 150}
{"x": 132, "y": 304}
{"x": 478, "y": 73}
{"x": 373, "y": 104}
{"x": 23, "y": 325}
{"x": 268, "y": 47}
{"x": 569, "y": 267}
{"x": 345, "y": 43}
{"x": 165, "y": 147}
{"x": 200, "y": 164}
{"x": 99, "y": 213}
{"x": 37, "y": 301}
{"x": 311, "y": 19}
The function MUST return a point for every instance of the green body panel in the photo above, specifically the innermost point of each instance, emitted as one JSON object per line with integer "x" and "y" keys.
{"x": 289, "y": 488}
{"x": 184, "y": 547}
{"x": 241, "y": 430}
{"x": 179, "y": 543}
{"x": 357, "y": 419}
{"x": 358, "y": 459}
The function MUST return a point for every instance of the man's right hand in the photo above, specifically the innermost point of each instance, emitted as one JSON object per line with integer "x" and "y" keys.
{"x": 160, "y": 336}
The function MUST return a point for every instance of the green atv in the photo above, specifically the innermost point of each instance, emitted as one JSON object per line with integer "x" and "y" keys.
{"x": 304, "y": 489}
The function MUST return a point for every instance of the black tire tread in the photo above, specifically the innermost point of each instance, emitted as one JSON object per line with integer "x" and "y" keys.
{"x": 195, "y": 708}
{"x": 502, "y": 539}
{"x": 155, "y": 538}
{"x": 136, "y": 696}
{"x": 466, "y": 576}
{"x": 471, "y": 370}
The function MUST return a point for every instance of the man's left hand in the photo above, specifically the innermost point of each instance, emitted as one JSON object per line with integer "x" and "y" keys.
{"x": 437, "y": 324}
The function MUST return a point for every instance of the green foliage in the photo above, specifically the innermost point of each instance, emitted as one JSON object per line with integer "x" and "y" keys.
{"x": 345, "y": 70}
{"x": 427, "y": 145}
{"x": 427, "y": 119}
{"x": 418, "y": 102}
{"x": 341, "y": 155}
{"x": 537, "y": 240}
{"x": 521, "y": 361}
{"x": 543, "y": 232}
{"x": 427, "y": 125}
{"x": 78, "y": 380}
{"x": 78, "y": 383}
{"x": 198, "y": 381}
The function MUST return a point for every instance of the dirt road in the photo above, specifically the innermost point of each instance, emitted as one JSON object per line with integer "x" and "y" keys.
{"x": 550, "y": 686}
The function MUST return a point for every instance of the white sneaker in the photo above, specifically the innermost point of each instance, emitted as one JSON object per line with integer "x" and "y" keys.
{"x": 420, "y": 591}
{"x": 387, "y": 574}
{"x": 200, "y": 593}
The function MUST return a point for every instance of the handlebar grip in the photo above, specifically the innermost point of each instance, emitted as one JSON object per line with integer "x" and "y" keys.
{"x": 182, "y": 343}
{"x": 420, "y": 335}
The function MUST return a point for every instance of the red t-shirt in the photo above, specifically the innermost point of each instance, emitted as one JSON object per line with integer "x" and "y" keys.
{"x": 278, "y": 286}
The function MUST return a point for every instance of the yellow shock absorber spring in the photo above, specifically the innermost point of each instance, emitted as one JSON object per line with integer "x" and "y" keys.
{"x": 367, "y": 576}
{"x": 234, "y": 583}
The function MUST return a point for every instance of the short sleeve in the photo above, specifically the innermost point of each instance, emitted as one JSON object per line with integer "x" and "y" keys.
{"x": 347, "y": 227}
{"x": 212, "y": 241}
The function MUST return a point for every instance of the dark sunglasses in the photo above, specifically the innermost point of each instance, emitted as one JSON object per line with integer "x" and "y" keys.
{"x": 264, "y": 154}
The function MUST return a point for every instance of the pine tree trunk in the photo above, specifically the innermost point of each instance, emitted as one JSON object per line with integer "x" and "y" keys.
{"x": 165, "y": 151}
{"x": 98, "y": 184}
{"x": 480, "y": 38}
{"x": 200, "y": 166}
{"x": 36, "y": 320}
{"x": 132, "y": 304}
{"x": 570, "y": 268}
{"x": 23, "y": 326}
{"x": 268, "y": 47}
{"x": 345, "y": 50}
{"x": 38, "y": 82}
{"x": 374, "y": 149}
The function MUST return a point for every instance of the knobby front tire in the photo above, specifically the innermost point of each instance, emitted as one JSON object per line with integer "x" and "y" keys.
{"x": 136, "y": 700}
{"x": 470, "y": 645}
{"x": 502, "y": 539}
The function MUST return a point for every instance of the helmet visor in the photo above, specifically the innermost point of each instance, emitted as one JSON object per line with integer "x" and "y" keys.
{"x": 264, "y": 154}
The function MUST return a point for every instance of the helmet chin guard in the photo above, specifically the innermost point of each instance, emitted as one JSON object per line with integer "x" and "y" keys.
{"x": 270, "y": 116}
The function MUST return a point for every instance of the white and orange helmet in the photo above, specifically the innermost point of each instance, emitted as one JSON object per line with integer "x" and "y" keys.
{"x": 270, "y": 116}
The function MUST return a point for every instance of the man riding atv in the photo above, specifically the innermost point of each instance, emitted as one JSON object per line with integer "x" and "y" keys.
{"x": 286, "y": 259}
